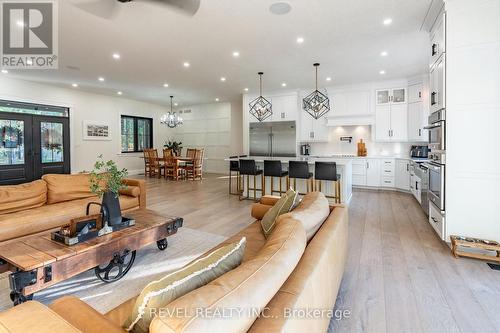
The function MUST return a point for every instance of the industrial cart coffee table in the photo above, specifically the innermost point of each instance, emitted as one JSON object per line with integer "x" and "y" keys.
{"x": 37, "y": 262}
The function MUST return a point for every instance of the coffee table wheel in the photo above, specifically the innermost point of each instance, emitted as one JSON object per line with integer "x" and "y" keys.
{"x": 18, "y": 298}
{"x": 117, "y": 267}
{"x": 162, "y": 244}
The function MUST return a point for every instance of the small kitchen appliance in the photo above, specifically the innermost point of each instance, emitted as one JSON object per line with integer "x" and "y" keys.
{"x": 419, "y": 152}
{"x": 305, "y": 149}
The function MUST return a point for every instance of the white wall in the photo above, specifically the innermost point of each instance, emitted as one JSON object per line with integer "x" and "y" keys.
{"x": 215, "y": 127}
{"x": 89, "y": 106}
{"x": 473, "y": 117}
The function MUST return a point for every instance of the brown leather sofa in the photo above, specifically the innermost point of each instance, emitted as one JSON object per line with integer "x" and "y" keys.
{"x": 278, "y": 275}
{"x": 51, "y": 202}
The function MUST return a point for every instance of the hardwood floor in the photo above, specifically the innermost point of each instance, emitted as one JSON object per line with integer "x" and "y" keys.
{"x": 399, "y": 276}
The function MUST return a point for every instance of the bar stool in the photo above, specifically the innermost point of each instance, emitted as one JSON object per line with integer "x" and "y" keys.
{"x": 273, "y": 169}
{"x": 299, "y": 170}
{"x": 234, "y": 166}
{"x": 327, "y": 171}
{"x": 249, "y": 168}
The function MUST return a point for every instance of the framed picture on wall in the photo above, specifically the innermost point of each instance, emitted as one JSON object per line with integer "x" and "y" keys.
{"x": 95, "y": 130}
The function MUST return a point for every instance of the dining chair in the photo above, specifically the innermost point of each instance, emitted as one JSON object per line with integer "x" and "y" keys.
{"x": 195, "y": 169}
{"x": 172, "y": 169}
{"x": 146, "y": 161}
{"x": 155, "y": 166}
{"x": 168, "y": 152}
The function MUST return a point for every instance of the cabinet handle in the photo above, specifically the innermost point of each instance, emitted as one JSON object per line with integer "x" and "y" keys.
{"x": 282, "y": 115}
{"x": 311, "y": 135}
{"x": 367, "y": 165}
{"x": 419, "y": 132}
{"x": 433, "y": 98}
{"x": 434, "y": 49}
{"x": 419, "y": 94}
{"x": 416, "y": 186}
{"x": 407, "y": 167}
{"x": 434, "y": 219}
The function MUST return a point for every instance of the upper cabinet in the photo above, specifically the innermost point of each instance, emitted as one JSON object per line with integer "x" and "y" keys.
{"x": 391, "y": 96}
{"x": 438, "y": 41}
{"x": 284, "y": 108}
{"x": 437, "y": 85}
{"x": 415, "y": 93}
{"x": 312, "y": 130}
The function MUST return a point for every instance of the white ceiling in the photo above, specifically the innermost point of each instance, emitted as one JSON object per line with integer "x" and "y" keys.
{"x": 346, "y": 37}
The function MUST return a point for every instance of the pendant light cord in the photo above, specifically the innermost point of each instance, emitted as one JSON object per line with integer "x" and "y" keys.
{"x": 260, "y": 77}
{"x": 171, "y": 105}
{"x": 316, "y": 77}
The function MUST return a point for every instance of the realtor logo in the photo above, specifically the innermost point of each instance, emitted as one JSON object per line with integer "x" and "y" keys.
{"x": 29, "y": 34}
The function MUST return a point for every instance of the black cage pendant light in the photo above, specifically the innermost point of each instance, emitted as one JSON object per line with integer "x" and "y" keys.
{"x": 260, "y": 107}
{"x": 316, "y": 104}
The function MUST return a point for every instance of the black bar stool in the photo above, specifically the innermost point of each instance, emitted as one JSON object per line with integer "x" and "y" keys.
{"x": 248, "y": 168}
{"x": 327, "y": 171}
{"x": 273, "y": 169}
{"x": 234, "y": 166}
{"x": 299, "y": 170}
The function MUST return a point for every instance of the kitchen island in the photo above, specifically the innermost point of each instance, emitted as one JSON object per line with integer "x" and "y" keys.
{"x": 344, "y": 169}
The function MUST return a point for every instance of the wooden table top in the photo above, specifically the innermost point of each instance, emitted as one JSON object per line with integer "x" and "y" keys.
{"x": 178, "y": 158}
{"x": 40, "y": 250}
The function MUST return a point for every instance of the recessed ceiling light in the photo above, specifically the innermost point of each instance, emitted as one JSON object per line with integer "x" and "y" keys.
{"x": 384, "y": 53}
{"x": 165, "y": 85}
{"x": 382, "y": 72}
{"x": 186, "y": 64}
{"x": 328, "y": 79}
{"x": 280, "y": 8}
{"x": 387, "y": 21}
{"x": 116, "y": 56}
{"x": 4, "y": 71}
{"x": 246, "y": 89}
{"x": 236, "y": 54}
{"x": 176, "y": 104}
{"x": 120, "y": 93}
{"x": 300, "y": 40}
{"x": 223, "y": 79}
{"x": 217, "y": 99}
{"x": 20, "y": 23}
{"x": 74, "y": 85}
{"x": 283, "y": 84}
{"x": 101, "y": 79}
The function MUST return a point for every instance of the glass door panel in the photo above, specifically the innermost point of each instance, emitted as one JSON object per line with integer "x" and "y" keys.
{"x": 12, "y": 142}
{"x": 51, "y": 142}
{"x": 399, "y": 95}
{"x": 383, "y": 97}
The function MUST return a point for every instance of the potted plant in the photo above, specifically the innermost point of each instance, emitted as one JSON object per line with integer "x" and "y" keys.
{"x": 175, "y": 146}
{"x": 106, "y": 180}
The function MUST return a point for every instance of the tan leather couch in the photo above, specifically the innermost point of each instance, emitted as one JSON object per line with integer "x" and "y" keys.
{"x": 53, "y": 201}
{"x": 277, "y": 276}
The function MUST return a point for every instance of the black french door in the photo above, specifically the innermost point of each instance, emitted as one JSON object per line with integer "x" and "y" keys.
{"x": 31, "y": 146}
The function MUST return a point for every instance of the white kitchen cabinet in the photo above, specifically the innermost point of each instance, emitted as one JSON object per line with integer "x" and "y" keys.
{"x": 437, "y": 85}
{"x": 402, "y": 176}
{"x": 417, "y": 120}
{"x": 312, "y": 130}
{"x": 373, "y": 172}
{"x": 438, "y": 42}
{"x": 391, "y": 96}
{"x": 284, "y": 108}
{"x": 391, "y": 122}
{"x": 359, "y": 172}
{"x": 415, "y": 93}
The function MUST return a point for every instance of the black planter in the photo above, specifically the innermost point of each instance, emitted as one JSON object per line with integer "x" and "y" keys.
{"x": 110, "y": 200}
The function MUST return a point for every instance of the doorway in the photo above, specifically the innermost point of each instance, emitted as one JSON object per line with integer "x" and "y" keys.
{"x": 34, "y": 141}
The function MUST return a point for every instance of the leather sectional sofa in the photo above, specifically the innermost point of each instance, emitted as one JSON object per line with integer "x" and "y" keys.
{"x": 279, "y": 277}
{"x": 53, "y": 201}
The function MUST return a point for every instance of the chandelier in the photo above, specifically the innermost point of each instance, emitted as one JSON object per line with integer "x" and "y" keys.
{"x": 171, "y": 119}
{"x": 260, "y": 107}
{"x": 316, "y": 104}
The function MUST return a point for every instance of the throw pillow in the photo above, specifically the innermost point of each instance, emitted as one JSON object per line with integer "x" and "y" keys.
{"x": 283, "y": 206}
{"x": 159, "y": 293}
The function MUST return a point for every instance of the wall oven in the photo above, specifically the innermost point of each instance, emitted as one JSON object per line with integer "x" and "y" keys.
{"x": 436, "y": 129}
{"x": 436, "y": 192}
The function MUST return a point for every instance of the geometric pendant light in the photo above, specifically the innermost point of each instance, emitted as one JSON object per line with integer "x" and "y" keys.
{"x": 316, "y": 104}
{"x": 171, "y": 119}
{"x": 260, "y": 107}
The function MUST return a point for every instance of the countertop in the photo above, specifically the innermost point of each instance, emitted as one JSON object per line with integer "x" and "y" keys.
{"x": 310, "y": 159}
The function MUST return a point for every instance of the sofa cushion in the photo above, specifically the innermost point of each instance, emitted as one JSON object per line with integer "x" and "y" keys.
{"x": 14, "y": 198}
{"x": 31, "y": 221}
{"x": 131, "y": 191}
{"x": 312, "y": 211}
{"x": 248, "y": 288}
{"x": 176, "y": 284}
{"x": 67, "y": 187}
{"x": 281, "y": 207}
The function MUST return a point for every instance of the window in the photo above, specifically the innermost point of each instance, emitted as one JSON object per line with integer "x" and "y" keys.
{"x": 137, "y": 134}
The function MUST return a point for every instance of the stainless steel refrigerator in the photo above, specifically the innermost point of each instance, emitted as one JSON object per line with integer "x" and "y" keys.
{"x": 273, "y": 139}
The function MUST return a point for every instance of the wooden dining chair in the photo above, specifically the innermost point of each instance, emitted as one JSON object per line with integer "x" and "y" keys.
{"x": 172, "y": 169}
{"x": 195, "y": 170}
{"x": 155, "y": 165}
{"x": 146, "y": 161}
{"x": 168, "y": 152}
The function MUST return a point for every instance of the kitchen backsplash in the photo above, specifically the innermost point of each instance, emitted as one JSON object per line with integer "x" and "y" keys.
{"x": 335, "y": 146}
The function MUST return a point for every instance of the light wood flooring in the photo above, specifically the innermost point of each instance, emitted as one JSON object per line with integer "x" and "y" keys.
{"x": 399, "y": 276}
